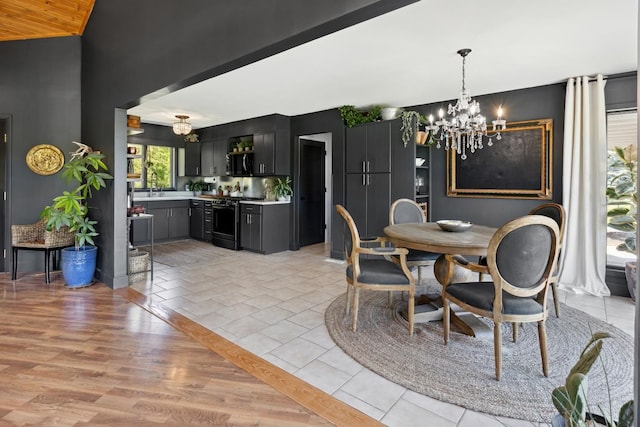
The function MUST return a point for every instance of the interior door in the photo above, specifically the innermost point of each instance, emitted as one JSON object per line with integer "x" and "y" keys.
{"x": 3, "y": 148}
{"x": 311, "y": 192}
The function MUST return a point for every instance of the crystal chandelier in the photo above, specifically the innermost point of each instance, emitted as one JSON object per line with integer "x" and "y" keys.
{"x": 182, "y": 126}
{"x": 464, "y": 129}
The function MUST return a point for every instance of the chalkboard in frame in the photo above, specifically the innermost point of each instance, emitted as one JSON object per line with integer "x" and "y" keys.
{"x": 516, "y": 166}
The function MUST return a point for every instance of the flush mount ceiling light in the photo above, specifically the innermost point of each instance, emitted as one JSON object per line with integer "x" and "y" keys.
{"x": 465, "y": 127}
{"x": 182, "y": 126}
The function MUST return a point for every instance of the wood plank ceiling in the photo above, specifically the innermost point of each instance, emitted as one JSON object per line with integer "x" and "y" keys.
{"x": 31, "y": 19}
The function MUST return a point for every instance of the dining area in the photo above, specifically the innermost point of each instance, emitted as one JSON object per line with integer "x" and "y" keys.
{"x": 507, "y": 281}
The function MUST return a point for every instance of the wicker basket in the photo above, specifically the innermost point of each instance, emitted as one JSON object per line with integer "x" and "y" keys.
{"x": 138, "y": 265}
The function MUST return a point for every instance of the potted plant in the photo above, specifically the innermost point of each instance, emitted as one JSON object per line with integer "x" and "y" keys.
{"x": 282, "y": 188}
{"x": 622, "y": 203}
{"x": 71, "y": 209}
{"x": 198, "y": 187}
{"x": 352, "y": 116}
{"x": 571, "y": 399}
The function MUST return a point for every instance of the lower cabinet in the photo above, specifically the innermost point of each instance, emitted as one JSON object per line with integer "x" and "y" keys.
{"x": 196, "y": 219}
{"x": 264, "y": 228}
{"x": 170, "y": 219}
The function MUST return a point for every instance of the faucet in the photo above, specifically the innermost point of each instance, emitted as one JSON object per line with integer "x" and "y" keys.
{"x": 151, "y": 191}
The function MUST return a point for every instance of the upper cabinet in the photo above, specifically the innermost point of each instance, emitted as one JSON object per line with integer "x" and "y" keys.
{"x": 272, "y": 152}
{"x": 192, "y": 159}
{"x": 213, "y": 157}
{"x": 368, "y": 148}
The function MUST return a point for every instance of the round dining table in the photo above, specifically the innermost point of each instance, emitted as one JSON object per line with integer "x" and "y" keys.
{"x": 428, "y": 236}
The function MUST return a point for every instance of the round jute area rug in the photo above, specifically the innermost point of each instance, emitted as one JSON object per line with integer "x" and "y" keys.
{"x": 463, "y": 372}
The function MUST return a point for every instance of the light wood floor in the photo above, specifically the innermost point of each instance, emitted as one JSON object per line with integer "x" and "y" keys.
{"x": 76, "y": 357}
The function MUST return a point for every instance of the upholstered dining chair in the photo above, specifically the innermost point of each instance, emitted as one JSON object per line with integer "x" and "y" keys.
{"x": 376, "y": 272}
{"x": 521, "y": 259}
{"x": 35, "y": 237}
{"x": 405, "y": 211}
{"x": 557, "y": 213}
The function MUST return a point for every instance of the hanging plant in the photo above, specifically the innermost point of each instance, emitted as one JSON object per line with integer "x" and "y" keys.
{"x": 352, "y": 116}
{"x": 410, "y": 120}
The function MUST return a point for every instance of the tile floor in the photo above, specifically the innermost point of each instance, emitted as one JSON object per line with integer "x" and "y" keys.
{"x": 274, "y": 307}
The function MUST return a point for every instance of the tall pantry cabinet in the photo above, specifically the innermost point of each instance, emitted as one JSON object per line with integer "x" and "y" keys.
{"x": 379, "y": 170}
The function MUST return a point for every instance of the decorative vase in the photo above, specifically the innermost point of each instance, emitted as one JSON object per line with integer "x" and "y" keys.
{"x": 79, "y": 265}
{"x": 421, "y": 137}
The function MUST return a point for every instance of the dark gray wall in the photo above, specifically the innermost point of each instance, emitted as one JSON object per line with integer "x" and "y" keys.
{"x": 131, "y": 49}
{"x": 40, "y": 95}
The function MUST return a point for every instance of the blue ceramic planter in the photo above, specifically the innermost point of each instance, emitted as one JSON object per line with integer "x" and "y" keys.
{"x": 79, "y": 265}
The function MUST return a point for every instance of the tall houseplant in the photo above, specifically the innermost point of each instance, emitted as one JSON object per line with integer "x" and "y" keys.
{"x": 622, "y": 203}
{"x": 71, "y": 209}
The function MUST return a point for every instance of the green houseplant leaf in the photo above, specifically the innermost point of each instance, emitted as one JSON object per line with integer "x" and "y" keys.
{"x": 71, "y": 209}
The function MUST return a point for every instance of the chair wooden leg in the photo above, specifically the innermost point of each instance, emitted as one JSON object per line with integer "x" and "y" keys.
{"x": 542, "y": 337}
{"x": 14, "y": 269}
{"x": 497, "y": 348}
{"x": 516, "y": 328}
{"x": 410, "y": 307}
{"x": 347, "y": 306}
{"x": 354, "y": 309}
{"x": 556, "y": 301}
{"x": 446, "y": 319}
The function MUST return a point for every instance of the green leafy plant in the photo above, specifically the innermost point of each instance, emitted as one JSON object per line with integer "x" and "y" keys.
{"x": 71, "y": 208}
{"x": 199, "y": 186}
{"x": 622, "y": 194}
{"x": 192, "y": 137}
{"x": 410, "y": 123}
{"x": 282, "y": 187}
{"x": 571, "y": 399}
{"x": 352, "y": 116}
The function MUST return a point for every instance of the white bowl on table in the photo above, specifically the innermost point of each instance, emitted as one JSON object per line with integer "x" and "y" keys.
{"x": 454, "y": 225}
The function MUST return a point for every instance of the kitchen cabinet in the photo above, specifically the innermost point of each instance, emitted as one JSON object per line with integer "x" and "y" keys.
{"x": 213, "y": 157}
{"x": 368, "y": 148}
{"x": 192, "y": 159}
{"x": 196, "y": 219}
{"x": 208, "y": 221}
{"x": 271, "y": 153}
{"x": 368, "y": 199}
{"x": 379, "y": 170}
{"x": 264, "y": 228}
{"x": 171, "y": 219}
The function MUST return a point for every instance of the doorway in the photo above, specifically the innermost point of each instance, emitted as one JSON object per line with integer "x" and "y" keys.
{"x": 4, "y": 126}
{"x": 313, "y": 181}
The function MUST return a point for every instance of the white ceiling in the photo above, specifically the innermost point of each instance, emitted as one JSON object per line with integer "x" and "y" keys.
{"x": 408, "y": 57}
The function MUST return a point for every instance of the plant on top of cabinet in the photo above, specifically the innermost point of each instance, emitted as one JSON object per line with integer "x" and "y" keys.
{"x": 352, "y": 116}
{"x": 191, "y": 137}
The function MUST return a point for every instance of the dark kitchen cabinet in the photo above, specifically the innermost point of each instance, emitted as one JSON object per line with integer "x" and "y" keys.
{"x": 368, "y": 148}
{"x": 171, "y": 219}
{"x": 192, "y": 159}
{"x": 196, "y": 219}
{"x": 271, "y": 153}
{"x": 208, "y": 221}
{"x": 368, "y": 199}
{"x": 380, "y": 169}
{"x": 264, "y": 228}
{"x": 213, "y": 157}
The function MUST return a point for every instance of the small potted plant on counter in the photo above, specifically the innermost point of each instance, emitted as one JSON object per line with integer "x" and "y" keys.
{"x": 282, "y": 188}
{"x": 198, "y": 187}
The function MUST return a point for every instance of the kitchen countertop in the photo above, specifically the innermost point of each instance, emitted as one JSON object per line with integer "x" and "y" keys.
{"x": 188, "y": 195}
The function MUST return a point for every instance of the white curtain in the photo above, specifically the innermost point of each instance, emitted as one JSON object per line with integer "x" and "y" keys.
{"x": 584, "y": 254}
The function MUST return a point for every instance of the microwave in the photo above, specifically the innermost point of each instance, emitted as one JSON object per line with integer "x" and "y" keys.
{"x": 240, "y": 164}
